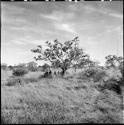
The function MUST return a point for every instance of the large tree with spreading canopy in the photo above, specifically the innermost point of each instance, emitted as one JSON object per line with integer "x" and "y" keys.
{"x": 62, "y": 55}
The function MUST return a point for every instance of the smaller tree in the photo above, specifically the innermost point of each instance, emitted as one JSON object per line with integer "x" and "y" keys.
{"x": 116, "y": 62}
{"x": 113, "y": 61}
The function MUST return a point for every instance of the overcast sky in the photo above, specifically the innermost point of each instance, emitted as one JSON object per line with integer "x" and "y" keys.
{"x": 25, "y": 25}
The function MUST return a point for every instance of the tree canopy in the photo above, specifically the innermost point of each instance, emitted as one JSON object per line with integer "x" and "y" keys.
{"x": 63, "y": 55}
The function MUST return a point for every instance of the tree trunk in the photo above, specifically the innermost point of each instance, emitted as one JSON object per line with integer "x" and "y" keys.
{"x": 63, "y": 71}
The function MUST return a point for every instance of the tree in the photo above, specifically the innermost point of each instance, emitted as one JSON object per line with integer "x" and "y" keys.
{"x": 113, "y": 61}
{"x": 32, "y": 66}
{"x": 63, "y": 55}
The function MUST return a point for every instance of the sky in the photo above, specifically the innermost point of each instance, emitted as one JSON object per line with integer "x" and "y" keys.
{"x": 24, "y": 25}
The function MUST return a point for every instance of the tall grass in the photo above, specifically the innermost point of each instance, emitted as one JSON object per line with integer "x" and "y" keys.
{"x": 58, "y": 100}
{"x": 48, "y": 101}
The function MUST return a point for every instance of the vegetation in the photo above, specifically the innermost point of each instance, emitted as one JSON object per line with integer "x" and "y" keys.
{"x": 59, "y": 101}
{"x": 87, "y": 93}
{"x": 96, "y": 73}
{"x": 19, "y": 72}
{"x": 32, "y": 66}
{"x": 113, "y": 61}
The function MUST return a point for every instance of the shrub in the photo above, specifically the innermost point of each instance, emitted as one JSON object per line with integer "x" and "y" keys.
{"x": 100, "y": 75}
{"x": 90, "y": 72}
{"x": 20, "y": 72}
{"x": 111, "y": 84}
{"x": 13, "y": 81}
{"x": 96, "y": 73}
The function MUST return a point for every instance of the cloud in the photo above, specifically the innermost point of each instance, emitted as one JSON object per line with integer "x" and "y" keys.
{"x": 19, "y": 42}
{"x": 28, "y": 40}
{"x": 64, "y": 27}
{"x": 51, "y": 17}
{"x": 58, "y": 16}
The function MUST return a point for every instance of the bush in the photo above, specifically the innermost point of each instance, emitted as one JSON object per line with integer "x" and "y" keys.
{"x": 90, "y": 72}
{"x": 20, "y": 72}
{"x": 95, "y": 73}
{"x": 100, "y": 75}
{"x": 111, "y": 84}
{"x": 13, "y": 81}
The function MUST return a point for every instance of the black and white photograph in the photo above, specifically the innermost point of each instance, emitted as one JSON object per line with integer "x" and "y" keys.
{"x": 62, "y": 62}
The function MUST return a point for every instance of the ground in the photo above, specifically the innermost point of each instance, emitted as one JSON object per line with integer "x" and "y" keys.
{"x": 57, "y": 100}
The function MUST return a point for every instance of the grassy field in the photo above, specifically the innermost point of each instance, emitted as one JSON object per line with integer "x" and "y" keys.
{"x": 57, "y": 100}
